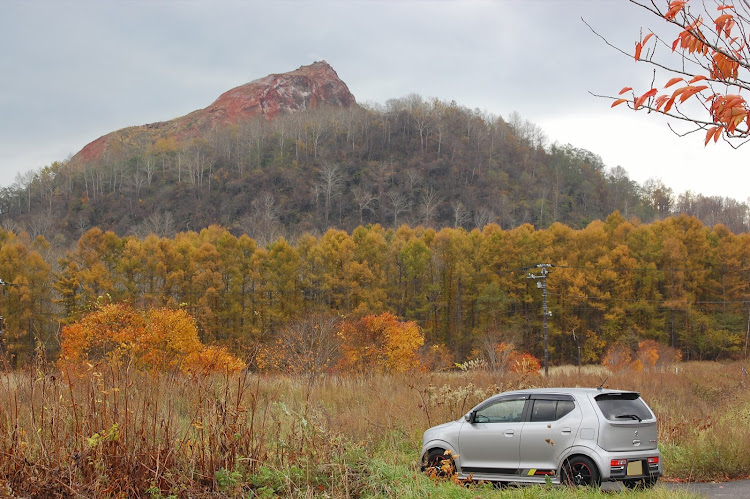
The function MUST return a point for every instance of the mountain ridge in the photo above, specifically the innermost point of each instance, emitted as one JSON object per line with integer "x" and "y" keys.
{"x": 293, "y": 152}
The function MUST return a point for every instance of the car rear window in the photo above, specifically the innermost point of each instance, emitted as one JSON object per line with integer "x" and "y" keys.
{"x": 623, "y": 407}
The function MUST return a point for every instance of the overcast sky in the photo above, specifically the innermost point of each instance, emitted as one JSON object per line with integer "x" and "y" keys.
{"x": 71, "y": 71}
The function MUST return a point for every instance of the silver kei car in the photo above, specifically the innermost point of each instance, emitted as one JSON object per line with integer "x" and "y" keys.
{"x": 578, "y": 436}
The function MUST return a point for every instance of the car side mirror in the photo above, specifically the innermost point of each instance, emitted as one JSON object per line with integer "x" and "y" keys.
{"x": 469, "y": 417}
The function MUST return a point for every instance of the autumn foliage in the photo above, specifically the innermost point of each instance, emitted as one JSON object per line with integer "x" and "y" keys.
{"x": 648, "y": 355}
{"x": 380, "y": 343}
{"x": 159, "y": 339}
{"x": 524, "y": 363}
{"x": 715, "y": 59}
{"x": 675, "y": 281}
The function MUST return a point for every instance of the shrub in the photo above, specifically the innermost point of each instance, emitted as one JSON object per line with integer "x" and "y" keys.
{"x": 524, "y": 363}
{"x": 436, "y": 357}
{"x": 617, "y": 358}
{"x": 380, "y": 342}
{"x": 308, "y": 347}
{"x": 649, "y": 355}
{"x": 158, "y": 339}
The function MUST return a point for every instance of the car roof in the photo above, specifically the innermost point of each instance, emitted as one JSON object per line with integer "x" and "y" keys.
{"x": 564, "y": 390}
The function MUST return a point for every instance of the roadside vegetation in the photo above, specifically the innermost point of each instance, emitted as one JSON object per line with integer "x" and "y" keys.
{"x": 109, "y": 430}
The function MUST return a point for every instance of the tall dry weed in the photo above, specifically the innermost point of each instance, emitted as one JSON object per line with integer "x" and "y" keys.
{"x": 116, "y": 432}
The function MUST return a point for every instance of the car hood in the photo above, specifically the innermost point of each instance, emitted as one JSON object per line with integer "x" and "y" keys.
{"x": 439, "y": 430}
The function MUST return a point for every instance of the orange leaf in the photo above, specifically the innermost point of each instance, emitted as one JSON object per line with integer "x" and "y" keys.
{"x": 725, "y": 23}
{"x": 697, "y": 78}
{"x": 669, "y": 105}
{"x": 717, "y": 134}
{"x": 674, "y": 8}
{"x": 646, "y": 38}
{"x": 709, "y": 134}
{"x": 723, "y": 18}
{"x": 660, "y": 101}
{"x": 638, "y": 48}
{"x": 690, "y": 91}
{"x": 618, "y": 102}
{"x": 625, "y": 90}
{"x": 640, "y": 100}
{"x": 672, "y": 82}
{"x": 713, "y": 132}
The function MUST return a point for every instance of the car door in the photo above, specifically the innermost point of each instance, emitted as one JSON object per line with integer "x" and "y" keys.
{"x": 490, "y": 443}
{"x": 550, "y": 429}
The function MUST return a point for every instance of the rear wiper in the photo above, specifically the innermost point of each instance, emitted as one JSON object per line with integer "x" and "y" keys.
{"x": 629, "y": 416}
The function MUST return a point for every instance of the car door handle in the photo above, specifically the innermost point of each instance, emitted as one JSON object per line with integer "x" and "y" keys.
{"x": 508, "y": 433}
{"x": 566, "y": 430}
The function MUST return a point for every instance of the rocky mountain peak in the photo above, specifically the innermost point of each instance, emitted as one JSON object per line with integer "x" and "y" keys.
{"x": 304, "y": 88}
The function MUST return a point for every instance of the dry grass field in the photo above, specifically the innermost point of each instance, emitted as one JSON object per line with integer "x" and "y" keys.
{"x": 112, "y": 432}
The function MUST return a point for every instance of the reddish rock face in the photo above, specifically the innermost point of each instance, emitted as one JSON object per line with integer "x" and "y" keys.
{"x": 301, "y": 89}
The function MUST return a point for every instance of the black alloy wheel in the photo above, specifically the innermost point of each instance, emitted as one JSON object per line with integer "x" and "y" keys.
{"x": 580, "y": 471}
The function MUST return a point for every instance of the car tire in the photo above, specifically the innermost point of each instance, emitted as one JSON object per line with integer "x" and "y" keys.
{"x": 580, "y": 471}
{"x": 435, "y": 460}
{"x": 644, "y": 483}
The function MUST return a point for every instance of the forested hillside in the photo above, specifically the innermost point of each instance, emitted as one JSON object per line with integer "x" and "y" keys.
{"x": 318, "y": 206}
{"x": 412, "y": 161}
{"x": 614, "y": 281}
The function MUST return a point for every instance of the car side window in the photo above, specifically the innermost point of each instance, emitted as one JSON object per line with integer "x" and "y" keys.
{"x": 544, "y": 410}
{"x": 563, "y": 408}
{"x": 502, "y": 411}
{"x": 550, "y": 410}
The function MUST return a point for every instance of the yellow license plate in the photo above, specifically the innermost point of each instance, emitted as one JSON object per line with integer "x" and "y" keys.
{"x": 635, "y": 468}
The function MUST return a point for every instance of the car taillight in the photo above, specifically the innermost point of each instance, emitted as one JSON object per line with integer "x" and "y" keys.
{"x": 653, "y": 460}
{"x": 619, "y": 462}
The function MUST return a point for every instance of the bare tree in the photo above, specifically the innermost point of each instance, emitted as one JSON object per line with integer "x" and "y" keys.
{"x": 428, "y": 206}
{"x": 316, "y": 124}
{"x": 46, "y": 179}
{"x": 24, "y": 180}
{"x": 149, "y": 167}
{"x": 11, "y": 225}
{"x": 399, "y": 204}
{"x": 330, "y": 183}
{"x": 495, "y": 348}
{"x": 422, "y": 118}
{"x": 413, "y": 179}
{"x": 364, "y": 199}
{"x": 659, "y": 196}
{"x": 82, "y": 224}
{"x": 482, "y": 217}
{"x": 310, "y": 347}
{"x": 138, "y": 181}
{"x": 263, "y": 223}
{"x": 159, "y": 223}
{"x": 251, "y": 135}
{"x": 41, "y": 224}
{"x": 460, "y": 214}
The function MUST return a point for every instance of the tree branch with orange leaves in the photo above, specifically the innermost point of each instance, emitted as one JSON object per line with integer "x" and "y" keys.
{"x": 709, "y": 75}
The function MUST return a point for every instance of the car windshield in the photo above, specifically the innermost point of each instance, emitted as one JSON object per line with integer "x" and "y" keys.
{"x": 623, "y": 407}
